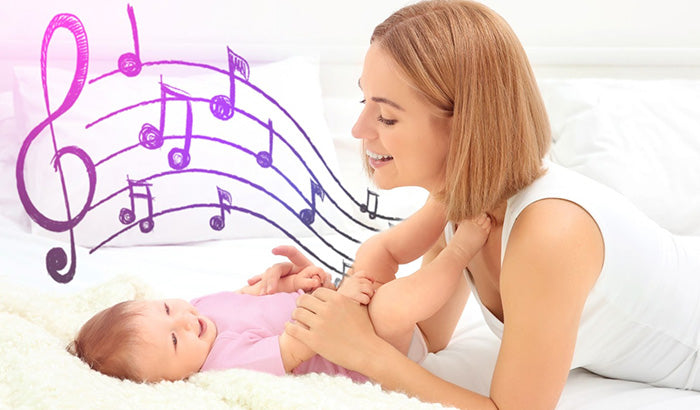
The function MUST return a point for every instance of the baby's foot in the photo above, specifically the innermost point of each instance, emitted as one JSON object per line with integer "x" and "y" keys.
{"x": 471, "y": 234}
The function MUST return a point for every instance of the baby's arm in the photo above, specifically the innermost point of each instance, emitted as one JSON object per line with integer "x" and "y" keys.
{"x": 381, "y": 254}
{"x": 398, "y": 305}
{"x": 308, "y": 279}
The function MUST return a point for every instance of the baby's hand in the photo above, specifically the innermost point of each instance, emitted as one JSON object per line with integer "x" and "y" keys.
{"x": 268, "y": 282}
{"x": 471, "y": 236}
{"x": 310, "y": 278}
{"x": 357, "y": 287}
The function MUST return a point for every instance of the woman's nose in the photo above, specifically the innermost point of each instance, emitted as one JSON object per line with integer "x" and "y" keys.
{"x": 363, "y": 127}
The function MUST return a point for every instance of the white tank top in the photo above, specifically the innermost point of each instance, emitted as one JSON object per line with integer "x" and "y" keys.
{"x": 641, "y": 321}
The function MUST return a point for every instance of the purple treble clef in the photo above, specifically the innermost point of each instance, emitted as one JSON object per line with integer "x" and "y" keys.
{"x": 56, "y": 258}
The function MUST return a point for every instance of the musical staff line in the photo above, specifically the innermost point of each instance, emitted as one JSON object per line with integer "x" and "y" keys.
{"x": 236, "y": 209}
{"x": 229, "y": 176}
{"x": 260, "y": 123}
{"x": 236, "y": 109}
{"x": 222, "y": 106}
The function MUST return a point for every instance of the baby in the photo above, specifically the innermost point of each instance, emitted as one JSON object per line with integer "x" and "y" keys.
{"x": 171, "y": 339}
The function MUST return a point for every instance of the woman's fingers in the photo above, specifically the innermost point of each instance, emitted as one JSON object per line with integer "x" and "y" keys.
{"x": 293, "y": 254}
{"x": 304, "y": 317}
{"x": 311, "y": 302}
{"x": 334, "y": 326}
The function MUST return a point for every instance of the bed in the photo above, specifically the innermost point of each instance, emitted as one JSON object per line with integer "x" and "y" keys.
{"x": 190, "y": 162}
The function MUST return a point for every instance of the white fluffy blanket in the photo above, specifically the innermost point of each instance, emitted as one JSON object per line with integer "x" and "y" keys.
{"x": 37, "y": 372}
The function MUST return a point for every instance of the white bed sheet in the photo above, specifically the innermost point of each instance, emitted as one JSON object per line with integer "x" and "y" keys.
{"x": 188, "y": 271}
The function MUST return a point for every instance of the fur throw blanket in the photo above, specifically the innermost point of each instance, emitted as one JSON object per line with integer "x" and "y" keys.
{"x": 37, "y": 372}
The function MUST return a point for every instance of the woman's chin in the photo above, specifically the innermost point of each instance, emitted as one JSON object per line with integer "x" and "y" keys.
{"x": 383, "y": 183}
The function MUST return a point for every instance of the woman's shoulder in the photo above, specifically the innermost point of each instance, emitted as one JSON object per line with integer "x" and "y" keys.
{"x": 560, "y": 204}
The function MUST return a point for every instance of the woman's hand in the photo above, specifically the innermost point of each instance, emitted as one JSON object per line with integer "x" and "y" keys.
{"x": 269, "y": 280}
{"x": 336, "y": 327}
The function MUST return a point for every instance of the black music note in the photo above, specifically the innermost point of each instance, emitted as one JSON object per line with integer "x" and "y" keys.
{"x": 128, "y": 215}
{"x": 218, "y": 222}
{"x": 130, "y": 63}
{"x": 56, "y": 258}
{"x": 222, "y": 106}
{"x": 264, "y": 158}
{"x": 365, "y": 207}
{"x": 307, "y": 216}
{"x": 151, "y": 137}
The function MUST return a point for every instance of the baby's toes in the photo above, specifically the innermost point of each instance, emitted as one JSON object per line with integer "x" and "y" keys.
{"x": 485, "y": 222}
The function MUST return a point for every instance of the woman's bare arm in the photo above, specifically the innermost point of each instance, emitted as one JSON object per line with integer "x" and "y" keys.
{"x": 552, "y": 260}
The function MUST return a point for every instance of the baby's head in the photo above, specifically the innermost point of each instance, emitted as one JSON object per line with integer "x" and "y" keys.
{"x": 149, "y": 340}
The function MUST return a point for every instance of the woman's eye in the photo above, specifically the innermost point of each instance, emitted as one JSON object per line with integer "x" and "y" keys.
{"x": 362, "y": 101}
{"x": 386, "y": 121}
{"x": 174, "y": 340}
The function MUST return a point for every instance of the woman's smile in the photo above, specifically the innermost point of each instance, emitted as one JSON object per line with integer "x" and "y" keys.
{"x": 377, "y": 160}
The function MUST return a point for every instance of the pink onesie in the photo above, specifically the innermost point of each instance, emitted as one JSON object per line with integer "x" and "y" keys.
{"x": 248, "y": 329}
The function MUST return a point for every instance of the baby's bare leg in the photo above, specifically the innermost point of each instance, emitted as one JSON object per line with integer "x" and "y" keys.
{"x": 397, "y": 306}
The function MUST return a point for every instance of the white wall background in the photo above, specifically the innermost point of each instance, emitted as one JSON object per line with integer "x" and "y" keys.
{"x": 562, "y": 37}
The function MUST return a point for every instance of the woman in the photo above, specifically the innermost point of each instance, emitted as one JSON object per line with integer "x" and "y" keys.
{"x": 571, "y": 275}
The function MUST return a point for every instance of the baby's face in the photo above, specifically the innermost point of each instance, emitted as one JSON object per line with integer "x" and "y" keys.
{"x": 177, "y": 339}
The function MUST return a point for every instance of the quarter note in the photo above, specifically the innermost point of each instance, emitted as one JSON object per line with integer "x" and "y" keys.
{"x": 371, "y": 197}
{"x": 222, "y": 106}
{"x": 130, "y": 63}
{"x": 264, "y": 158}
{"x": 307, "y": 216}
{"x": 128, "y": 215}
{"x": 151, "y": 137}
{"x": 56, "y": 258}
{"x": 218, "y": 222}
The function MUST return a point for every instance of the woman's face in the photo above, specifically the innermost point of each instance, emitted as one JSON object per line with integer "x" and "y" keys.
{"x": 405, "y": 143}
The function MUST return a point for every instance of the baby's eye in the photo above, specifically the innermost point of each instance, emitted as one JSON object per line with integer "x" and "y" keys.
{"x": 167, "y": 308}
{"x": 174, "y": 340}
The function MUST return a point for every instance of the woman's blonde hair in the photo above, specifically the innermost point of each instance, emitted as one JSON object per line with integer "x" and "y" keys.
{"x": 107, "y": 341}
{"x": 467, "y": 62}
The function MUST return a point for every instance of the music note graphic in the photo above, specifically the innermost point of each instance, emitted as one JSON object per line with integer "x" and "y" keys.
{"x": 151, "y": 137}
{"x": 130, "y": 63}
{"x": 222, "y": 106}
{"x": 128, "y": 215}
{"x": 56, "y": 258}
{"x": 218, "y": 222}
{"x": 366, "y": 208}
{"x": 307, "y": 216}
{"x": 264, "y": 158}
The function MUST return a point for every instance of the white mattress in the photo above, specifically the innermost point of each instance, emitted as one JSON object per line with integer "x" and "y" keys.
{"x": 188, "y": 271}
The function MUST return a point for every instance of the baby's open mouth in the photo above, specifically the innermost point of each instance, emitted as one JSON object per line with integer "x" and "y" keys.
{"x": 202, "y": 326}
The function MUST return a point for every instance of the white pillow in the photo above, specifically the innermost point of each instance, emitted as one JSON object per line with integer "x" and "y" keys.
{"x": 641, "y": 138}
{"x": 232, "y": 166}
{"x": 10, "y": 206}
